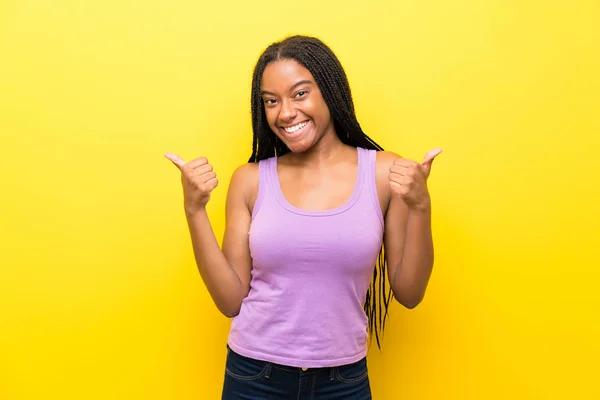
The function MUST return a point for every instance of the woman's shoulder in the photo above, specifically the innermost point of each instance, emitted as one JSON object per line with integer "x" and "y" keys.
{"x": 243, "y": 185}
{"x": 245, "y": 174}
{"x": 384, "y": 161}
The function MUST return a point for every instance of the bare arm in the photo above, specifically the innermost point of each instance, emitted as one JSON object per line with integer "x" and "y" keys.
{"x": 241, "y": 197}
{"x": 408, "y": 238}
{"x": 409, "y": 247}
{"x": 226, "y": 273}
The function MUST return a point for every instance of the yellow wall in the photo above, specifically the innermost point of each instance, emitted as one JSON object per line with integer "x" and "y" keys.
{"x": 99, "y": 296}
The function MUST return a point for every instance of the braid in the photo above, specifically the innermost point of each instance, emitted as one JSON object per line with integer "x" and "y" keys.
{"x": 329, "y": 75}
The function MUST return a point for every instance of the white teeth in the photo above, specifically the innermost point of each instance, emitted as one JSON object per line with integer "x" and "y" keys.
{"x": 295, "y": 128}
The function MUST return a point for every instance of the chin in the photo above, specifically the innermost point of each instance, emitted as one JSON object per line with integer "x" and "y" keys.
{"x": 298, "y": 147}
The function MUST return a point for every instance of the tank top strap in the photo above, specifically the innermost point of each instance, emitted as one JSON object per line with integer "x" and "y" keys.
{"x": 267, "y": 169}
{"x": 265, "y": 181}
{"x": 368, "y": 169}
{"x": 364, "y": 165}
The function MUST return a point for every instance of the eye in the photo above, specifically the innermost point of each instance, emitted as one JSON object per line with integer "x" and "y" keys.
{"x": 301, "y": 93}
{"x": 269, "y": 102}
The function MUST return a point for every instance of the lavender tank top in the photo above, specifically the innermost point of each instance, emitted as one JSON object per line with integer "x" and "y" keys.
{"x": 310, "y": 275}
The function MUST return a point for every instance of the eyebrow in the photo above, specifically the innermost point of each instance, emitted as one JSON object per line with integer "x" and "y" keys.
{"x": 295, "y": 85}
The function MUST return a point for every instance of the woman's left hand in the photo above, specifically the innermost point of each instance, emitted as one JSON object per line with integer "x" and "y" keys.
{"x": 408, "y": 180}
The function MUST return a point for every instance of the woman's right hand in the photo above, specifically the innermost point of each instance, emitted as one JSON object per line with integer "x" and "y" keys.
{"x": 198, "y": 180}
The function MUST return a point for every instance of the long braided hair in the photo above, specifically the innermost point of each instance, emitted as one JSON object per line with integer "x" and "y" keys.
{"x": 329, "y": 75}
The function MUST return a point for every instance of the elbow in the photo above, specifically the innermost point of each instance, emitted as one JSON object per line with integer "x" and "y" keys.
{"x": 229, "y": 311}
{"x": 230, "y": 306}
{"x": 409, "y": 301}
{"x": 411, "y": 304}
{"x": 230, "y": 314}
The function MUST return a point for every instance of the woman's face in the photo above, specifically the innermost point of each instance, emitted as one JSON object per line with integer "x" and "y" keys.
{"x": 294, "y": 106}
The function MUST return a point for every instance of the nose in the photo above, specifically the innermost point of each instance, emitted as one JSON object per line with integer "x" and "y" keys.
{"x": 287, "y": 113}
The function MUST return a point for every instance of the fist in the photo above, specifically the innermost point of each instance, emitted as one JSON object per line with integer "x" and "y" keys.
{"x": 198, "y": 180}
{"x": 408, "y": 180}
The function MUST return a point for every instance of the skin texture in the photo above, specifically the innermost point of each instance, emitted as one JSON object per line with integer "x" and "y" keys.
{"x": 318, "y": 173}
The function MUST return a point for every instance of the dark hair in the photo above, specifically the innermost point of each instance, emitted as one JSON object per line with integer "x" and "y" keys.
{"x": 329, "y": 75}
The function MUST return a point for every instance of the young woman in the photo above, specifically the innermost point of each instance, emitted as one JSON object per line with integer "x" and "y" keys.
{"x": 307, "y": 219}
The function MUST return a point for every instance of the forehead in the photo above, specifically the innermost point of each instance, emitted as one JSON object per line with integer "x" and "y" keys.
{"x": 282, "y": 74}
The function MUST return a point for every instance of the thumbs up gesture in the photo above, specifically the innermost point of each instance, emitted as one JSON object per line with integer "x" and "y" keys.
{"x": 198, "y": 180}
{"x": 408, "y": 180}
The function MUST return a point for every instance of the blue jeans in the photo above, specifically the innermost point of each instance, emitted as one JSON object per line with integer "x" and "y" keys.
{"x": 250, "y": 379}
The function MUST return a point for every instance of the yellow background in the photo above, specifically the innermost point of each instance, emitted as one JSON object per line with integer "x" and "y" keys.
{"x": 99, "y": 295}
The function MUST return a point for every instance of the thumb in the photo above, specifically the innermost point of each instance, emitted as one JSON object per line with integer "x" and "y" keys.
{"x": 428, "y": 159}
{"x": 175, "y": 159}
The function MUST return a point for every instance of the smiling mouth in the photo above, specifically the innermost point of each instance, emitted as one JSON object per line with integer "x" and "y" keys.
{"x": 294, "y": 129}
